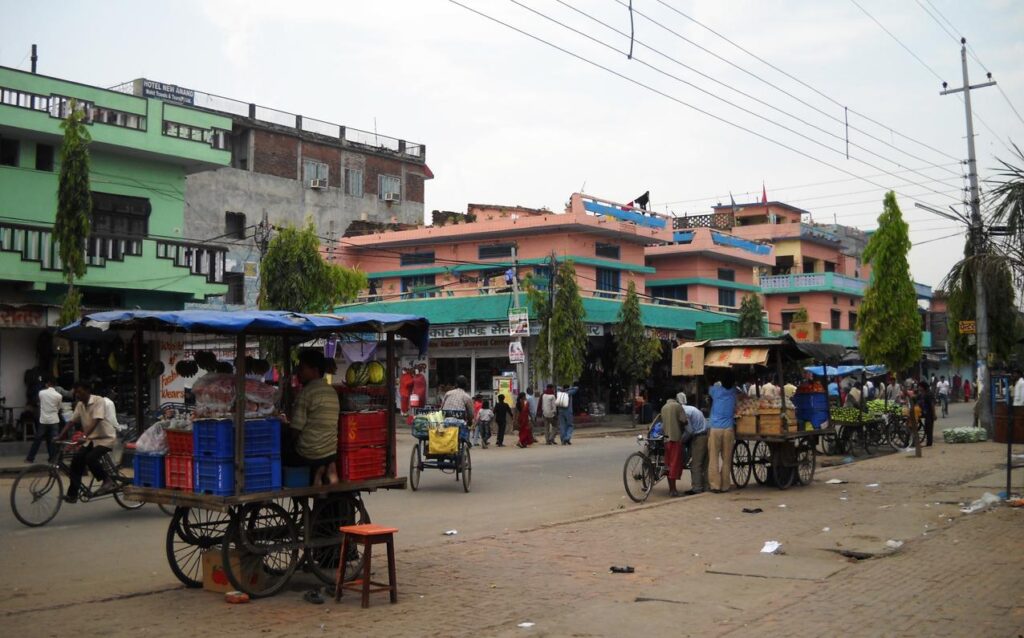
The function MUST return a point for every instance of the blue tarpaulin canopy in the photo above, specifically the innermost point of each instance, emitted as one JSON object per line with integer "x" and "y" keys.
{"x": 842, "y": 371}
{"x": 253, "y": 322}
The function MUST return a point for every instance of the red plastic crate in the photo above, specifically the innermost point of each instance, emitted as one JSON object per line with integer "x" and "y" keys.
{"x": 361, "y": 463}
{"x": 179, "y": 442}
{"x": 359, "y": 429}
{"x": 178, "y": 473}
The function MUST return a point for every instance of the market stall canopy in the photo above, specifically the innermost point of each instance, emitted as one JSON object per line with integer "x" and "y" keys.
{"x": 740, "y": 355}
{"x": 786, "y": 345}
{"x": 252, "y": 322}
{"x": 842, "y": 371}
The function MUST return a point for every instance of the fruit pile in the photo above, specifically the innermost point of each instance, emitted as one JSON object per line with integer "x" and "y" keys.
{"x": 747, "y": 406}
{"x": 878, "y": 407}
{"x": 846, "y": 415}
{"x": 360, "y": 374}
{"x": 964, "y": 435}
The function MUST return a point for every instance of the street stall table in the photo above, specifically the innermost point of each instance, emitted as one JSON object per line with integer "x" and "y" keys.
{"x": 259, "y": 536}
{"x": 775, "y": 445}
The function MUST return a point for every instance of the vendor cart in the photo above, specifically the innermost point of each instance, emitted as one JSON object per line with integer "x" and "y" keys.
{"x": 456, "y": 461}
{"x": 776, "y": 446}
{"x": 258, "y": 536}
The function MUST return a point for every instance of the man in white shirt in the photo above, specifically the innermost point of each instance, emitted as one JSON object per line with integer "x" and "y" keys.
{"x": 49, "y": 420}
{"x": 1018, "y": 391}
{"x": 942, "y": 389}
{"x": 90, "y": 413}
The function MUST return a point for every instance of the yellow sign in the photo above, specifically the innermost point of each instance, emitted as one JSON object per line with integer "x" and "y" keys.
{"x": 967, "y": 327}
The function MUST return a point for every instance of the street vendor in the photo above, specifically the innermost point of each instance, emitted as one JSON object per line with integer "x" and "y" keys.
{"x": 314, "y": 422}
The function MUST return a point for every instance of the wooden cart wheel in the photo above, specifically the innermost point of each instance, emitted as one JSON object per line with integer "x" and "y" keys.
{"x": 190, "y": 534}
{"x": 741, "y": 464}
{"x": 324, "y": 543}
{"x": 415, "y": 467}
{"x": 761, "y": 460}
{"x": 805, "y": 464}
{"x": 268, "y": 529}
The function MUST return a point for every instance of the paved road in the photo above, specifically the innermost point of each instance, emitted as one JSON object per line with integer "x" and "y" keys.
{"x": 99, "y": 550}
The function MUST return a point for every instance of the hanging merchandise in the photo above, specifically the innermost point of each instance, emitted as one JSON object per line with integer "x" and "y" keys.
{"x": 359, "y": 351}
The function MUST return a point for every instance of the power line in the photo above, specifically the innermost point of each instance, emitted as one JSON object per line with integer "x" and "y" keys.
{"x": 667, "y": 95}
{"x": 898, "y": 41}
{"x": 928, "y": 241}
{"x": 732, "y": 88}
{"x": 788, "y": 75}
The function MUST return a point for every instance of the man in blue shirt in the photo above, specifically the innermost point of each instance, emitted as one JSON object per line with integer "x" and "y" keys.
{"x": 696, "y": 436}
{"x": 722, "y": 438}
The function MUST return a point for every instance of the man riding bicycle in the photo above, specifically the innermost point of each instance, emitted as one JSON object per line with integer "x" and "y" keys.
{"x": 90, "y": 413}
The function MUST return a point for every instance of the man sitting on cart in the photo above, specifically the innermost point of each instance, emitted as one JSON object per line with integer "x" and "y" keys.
{"x": 458, "y": 399}
{"x": 314, "y": 422}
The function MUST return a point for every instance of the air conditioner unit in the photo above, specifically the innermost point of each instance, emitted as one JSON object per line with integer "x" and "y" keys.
{"x": 318, "y": 183}
{"x": 391, "y": 197}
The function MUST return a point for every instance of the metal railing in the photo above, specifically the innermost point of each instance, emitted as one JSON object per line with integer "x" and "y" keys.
{"x": 822, "y": 280}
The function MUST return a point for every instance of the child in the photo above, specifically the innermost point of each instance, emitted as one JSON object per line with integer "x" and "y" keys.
{"x": 482, "y": 424}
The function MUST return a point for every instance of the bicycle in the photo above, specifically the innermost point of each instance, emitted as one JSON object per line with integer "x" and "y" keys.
{"x": 38, "y": 490}
{"x": 644, "y": 469}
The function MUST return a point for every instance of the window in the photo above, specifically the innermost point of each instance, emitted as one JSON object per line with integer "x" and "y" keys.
{"x": 830, "y": 266}
{"x": 679, "y": 293}
{"x": 418, "y": 287}
{"x": 726, "y": 297}
{"x": 118, "y": 118}
{"x": 853, "y": 321}
{"x": 541, "y": 277}
{"x": 787, "y": 319}
{"x": 608, "y": 281}
{"x": 60, "y": 106}
{"x": 354, "y": 182}
{"x": 120, "y": 216}
{"x": 727, "y": 274}
{"x": 234, "y": 225}
{"x": 236, "y": 288}
{"x": 21, "y": 99}
{"x": 44, "y": 157}
{"x": 837, "y": 316}
{"x": 314, "y": 170}
{"x": 216, "y": 138}
{"x": 9, "y": 151}
{"x": 494, "y": 251}
{"x": 389, "y": 187}
{"x": 416, "y": 259}
{"x": 610, "y": 251}
{"x": 835, "y": 299}
{"x": 852, "y": 303}
{"x": 793, "y": 299}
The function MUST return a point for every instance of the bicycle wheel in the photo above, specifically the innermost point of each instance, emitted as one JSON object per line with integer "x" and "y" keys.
{"x": 415, "y": 468}
{"x": 853, "y": 438}
{"x": 741, "y": 464}
{"x": 261, "y": 550}
{"x": 190, "y": 533}
{"x": 638, "y": 477}
{"x": 324, "y": 545}
{"x": 827, "y": 443}
{"x": 761, "y": 460}
{"x": 899, "y": 434}
{"x": 805, "y": 464}
{"x": 37, "y": 495}
{"x": 466, "y": 465}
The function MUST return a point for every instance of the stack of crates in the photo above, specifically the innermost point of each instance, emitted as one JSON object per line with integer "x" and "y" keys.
{"x": 149, "y": 469}
{"x": 362, "y": 445}
{"x": 178, "y": 471}
{"x": 214, "y": 455}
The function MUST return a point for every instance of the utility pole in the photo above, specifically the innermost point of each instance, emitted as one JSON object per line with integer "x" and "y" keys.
{"x": 520, "y": 367}
{"x": 551, "y": 317}
{"x": 978, "y": 237}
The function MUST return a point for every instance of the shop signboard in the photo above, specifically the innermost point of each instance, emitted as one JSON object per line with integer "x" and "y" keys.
{"x": 493, "y": 329}
{"x": 516, "y": 353}
{"x": 22, "y": 318}
{"x": 519, "y": 323}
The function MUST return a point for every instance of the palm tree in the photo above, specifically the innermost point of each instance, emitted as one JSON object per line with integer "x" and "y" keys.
{"x": 1008, "y": 195}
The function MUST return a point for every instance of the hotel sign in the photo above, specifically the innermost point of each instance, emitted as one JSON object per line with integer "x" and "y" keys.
{"x": 168, "y": 92}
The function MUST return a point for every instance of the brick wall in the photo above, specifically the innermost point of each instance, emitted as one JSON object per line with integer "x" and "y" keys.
{"x": 275, "y": 154}
{"x": 413, "y": 187}
{"x": 376, "y": 166}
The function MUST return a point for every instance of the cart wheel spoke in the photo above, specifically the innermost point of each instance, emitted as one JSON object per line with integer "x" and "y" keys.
{"x": 324, "y": 543}
{"x": 761, "y": 459}
{"x": 261, "y": 550}
{"x": 466, "y": 463}
{"x": 638, "y": 477}
{"x": 741, "y": 464}
{"x": 806, "y": 462}
{"x": 189, "y": 534}
{"x": 37, "y": 495}
{"x": 415, "y": 467}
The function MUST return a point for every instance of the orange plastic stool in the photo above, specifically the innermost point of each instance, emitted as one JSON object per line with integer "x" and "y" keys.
{"x": 371, "y": 535}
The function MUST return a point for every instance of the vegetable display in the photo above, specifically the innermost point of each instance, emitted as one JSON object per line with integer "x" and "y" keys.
{"x": 964, "y": 435}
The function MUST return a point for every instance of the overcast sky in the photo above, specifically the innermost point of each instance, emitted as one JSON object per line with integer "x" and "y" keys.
{"x": 509, "y": 120}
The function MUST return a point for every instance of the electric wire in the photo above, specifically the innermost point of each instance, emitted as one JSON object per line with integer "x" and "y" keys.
{"x": 732, "y": 88}
{"x": 668, "y": 96}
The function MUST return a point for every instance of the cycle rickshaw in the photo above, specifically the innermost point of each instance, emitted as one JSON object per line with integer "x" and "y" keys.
{"x": 457, "y": 461}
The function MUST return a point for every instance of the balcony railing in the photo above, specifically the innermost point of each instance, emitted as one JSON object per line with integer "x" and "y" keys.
{"x": 825, "y": 281}
{"x": 37, "y": 244}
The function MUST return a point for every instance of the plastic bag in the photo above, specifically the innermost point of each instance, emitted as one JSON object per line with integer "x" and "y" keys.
{"x": 215, "y": 396}
{"x": 153, "y": 440}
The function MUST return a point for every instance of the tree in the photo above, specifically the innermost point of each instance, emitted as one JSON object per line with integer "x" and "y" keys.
{"x": 890, "y": 325}
{"x": 74, "y": 205}
{"x": 751, "y": 316}
{"x": 1003, "y": 329}
{"x": 801, "y": 316}
{"x": 1008, "y": 193}
{"x": 635, "y": 350}
{"x": 564, "y": 326}
{"x": 294, "y": 275}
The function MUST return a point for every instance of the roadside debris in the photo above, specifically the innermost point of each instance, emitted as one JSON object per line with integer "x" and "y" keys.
{"x": 893, "y": 544}
{"x": 451, "y": 532}
{"x": 834, "y": 482}
{"x": 872, "y": 485}
{"x": 754, "y": 510}
{"x": 987, "y": 500}
{"x": 826, "y": 529}
{"x": 626, "y": 569}
{"x": 525, "y": 625}
{"x": 771, "y": 547}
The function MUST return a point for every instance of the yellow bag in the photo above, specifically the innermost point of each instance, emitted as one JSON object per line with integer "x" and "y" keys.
{"x": 443, "y": 441}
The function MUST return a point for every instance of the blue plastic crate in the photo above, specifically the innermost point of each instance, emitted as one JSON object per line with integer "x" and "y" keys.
{"x": 215, "y": 439}
{"x": 809, "y": 401}
{"x": 217, "y": 477}
{"x": 817, "y": 416}
{"x": 149, "y": 470}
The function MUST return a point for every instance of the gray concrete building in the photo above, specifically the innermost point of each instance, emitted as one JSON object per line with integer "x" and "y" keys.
{"x": 285, "y": 168}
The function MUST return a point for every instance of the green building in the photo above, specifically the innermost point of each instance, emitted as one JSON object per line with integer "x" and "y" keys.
{"x": 139, "y": 252}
